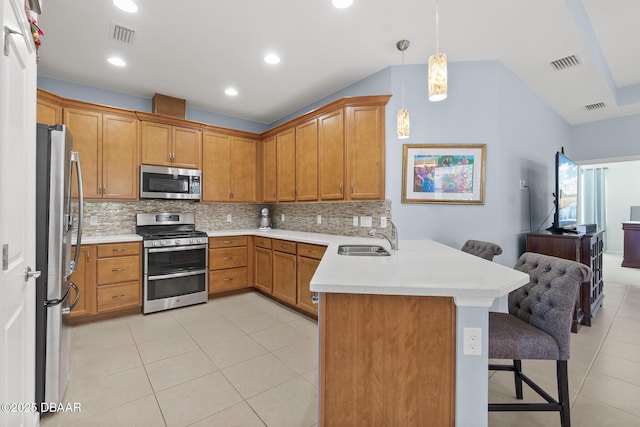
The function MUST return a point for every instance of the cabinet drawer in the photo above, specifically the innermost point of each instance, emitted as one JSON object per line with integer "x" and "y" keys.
{"x": 118, "y": 249}
{"x": 119, "y": 269}
{"x": 284, "y": 246}
{"x": 263, "y": 242}
{"x": 225, "y": 280}
{"x": 311, "y": 251}
{"x": 225, "y": 242}
{"x": 115, "y": 297}
{"x": 222, "y": 258}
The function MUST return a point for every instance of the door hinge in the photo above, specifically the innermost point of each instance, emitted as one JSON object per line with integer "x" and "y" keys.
{"x": 5, "y": 257}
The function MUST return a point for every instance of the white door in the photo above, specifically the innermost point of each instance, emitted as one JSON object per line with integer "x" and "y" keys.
{"x": 17, "y": 216}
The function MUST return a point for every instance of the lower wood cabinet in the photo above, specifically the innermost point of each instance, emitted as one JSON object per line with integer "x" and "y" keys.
{"x": 284, "y": 271}
{"x": 228, "y": 263}
{"x": 109, "y": 279}
{"x": 262, "y": 258}
{"x": 309, "y": 257}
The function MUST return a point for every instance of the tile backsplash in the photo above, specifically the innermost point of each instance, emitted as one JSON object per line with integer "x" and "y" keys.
{"x": 336, "y": 217}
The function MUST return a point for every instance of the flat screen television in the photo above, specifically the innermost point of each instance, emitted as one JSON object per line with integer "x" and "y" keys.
{"x": 566, "y": 194}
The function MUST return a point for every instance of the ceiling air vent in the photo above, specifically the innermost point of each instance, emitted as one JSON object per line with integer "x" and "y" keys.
{"x": 122, "y": 34}
{"x": 595, "y": 106}
{"x": 564, "y": 63}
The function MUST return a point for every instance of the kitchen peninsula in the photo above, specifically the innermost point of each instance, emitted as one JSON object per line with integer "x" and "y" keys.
{"x": 391, "y": 335}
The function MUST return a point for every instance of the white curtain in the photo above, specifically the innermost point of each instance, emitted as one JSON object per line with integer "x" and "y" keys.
{"x": 593, "y": 206}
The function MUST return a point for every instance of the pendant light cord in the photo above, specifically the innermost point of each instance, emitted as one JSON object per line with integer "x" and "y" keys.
{"x": 437, "y": 32}
{"x": 403, "y": 79}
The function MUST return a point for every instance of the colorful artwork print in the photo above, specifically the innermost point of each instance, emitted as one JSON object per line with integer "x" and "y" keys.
{"x": 443, "y": 174}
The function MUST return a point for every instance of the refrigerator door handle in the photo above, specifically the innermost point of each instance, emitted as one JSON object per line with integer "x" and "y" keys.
{"x": 75, "y": 159}
{"x": 67, "y": 310}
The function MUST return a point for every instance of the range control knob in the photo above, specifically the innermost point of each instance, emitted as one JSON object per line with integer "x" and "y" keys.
{"x": 162, "y": 243}
{"x": 177, "y": 242}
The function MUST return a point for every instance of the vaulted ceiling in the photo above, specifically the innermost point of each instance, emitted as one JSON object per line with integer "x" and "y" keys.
{"x": 196, "y": 49}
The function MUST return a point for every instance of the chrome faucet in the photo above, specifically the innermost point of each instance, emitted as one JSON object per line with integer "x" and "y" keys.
{"x": 393, "y": 238}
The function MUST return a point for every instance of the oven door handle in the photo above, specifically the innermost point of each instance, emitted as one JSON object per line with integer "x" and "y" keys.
{"x": 178, "y": 248}
{"x": 174, "y": 275}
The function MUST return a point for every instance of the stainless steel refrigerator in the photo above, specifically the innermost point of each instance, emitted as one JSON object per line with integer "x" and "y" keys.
{"x": 55, "y": 165}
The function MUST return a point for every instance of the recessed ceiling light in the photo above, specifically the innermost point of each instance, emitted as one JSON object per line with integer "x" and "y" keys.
{"x": 126, "y": 5}
{"x": 272, "y": 59}
{"x": 341, "y": 4}
{"x": 118, "y": 62}
{"x": 231, "y": 91}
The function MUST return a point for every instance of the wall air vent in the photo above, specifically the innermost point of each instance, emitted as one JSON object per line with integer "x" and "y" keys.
{"x": 564, "y": 63}
{"x": 595, "y": 106}
{"x": 122, "y": 34}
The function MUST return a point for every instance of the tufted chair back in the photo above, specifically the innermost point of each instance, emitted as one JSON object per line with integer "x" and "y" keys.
{"x": 548, "y": 300}
{"x": 486, "y": 250}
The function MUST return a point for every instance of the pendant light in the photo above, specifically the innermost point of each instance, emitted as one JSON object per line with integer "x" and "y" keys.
{"x": 403, "y": 113}
{"x": 437, "y": 69}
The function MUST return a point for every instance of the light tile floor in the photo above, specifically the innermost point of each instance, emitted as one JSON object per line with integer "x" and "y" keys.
{"x": 247, "y": 361}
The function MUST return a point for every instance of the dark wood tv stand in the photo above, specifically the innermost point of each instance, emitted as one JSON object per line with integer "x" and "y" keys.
{"x": 584, "y": 248}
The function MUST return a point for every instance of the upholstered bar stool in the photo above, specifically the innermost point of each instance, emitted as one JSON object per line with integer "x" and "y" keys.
{"x": 486, "y": 250}
{"x": 538, "y": 326}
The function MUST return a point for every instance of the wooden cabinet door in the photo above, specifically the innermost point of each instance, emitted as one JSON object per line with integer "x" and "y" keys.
{"x": 187, "y": 147}
{"x": 306, "y": 268}
{"x": 120, "y": 157}
{"x": 284, "y": 277}
{"x": 262, "y": 260}
{"x": 307, "y": 161}
{"x": 155, "y": 143}
{"x": 243, "y": 170}
{"x": 269, "y": 170}
{"x": 365, "y": 152}
{"x": 86, "y": 129}
{"x": 85, "y": 279}
{"x": 286, "y": 165}
{"x": 215, "y": 173}
{"x": 48, "y": 112}
{"x": 331, "y": 155}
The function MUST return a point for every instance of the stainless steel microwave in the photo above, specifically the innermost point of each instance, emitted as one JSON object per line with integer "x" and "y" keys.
{"x": 161, "y": 182}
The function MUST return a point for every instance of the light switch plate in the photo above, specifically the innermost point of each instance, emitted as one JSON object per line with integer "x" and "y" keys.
{"x": 472, "y": 342}
{"x": 355, "y": 221}
{"x": 282, "y": 217}
{"x": 383, "y": 222}
{"x": 228, "y": 217}
{"x": 319, "y": 219}
{"x": 366, "y": 221}
{"x": 93, "y": 220}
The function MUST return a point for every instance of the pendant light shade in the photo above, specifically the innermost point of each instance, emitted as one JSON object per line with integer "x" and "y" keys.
{"x": 437, "y": 68}
{"x": 437, "y": 77}
{"x": 403, "y": 114}
{"x": 403, "y": 123}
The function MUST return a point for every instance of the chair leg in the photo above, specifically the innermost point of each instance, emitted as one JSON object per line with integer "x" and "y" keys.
{"x": 563, "y": 393}
{"x": 517, "y": 376}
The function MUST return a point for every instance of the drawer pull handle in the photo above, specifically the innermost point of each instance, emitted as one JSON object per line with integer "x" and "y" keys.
{"x": 115, "y": 270}
{"x": 228, "y": 279}
{"x": 228, "y": 258}
{"x": 311, "y": 251}
{"x": 118, "y": 250}
{"x": 118, "y": 296}
{"x": 315, "y": 298}
{"x": 226, "y": 242}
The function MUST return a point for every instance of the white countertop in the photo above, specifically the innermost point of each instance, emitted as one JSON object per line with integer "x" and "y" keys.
{"x": 418, "y": 267}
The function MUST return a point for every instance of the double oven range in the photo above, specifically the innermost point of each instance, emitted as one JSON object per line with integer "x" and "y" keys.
{"x": 175, "y": 261}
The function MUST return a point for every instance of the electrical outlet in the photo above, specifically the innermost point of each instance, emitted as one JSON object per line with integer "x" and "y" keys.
{"x": 93, "y": 220}
{"x": 319, "y": 219}
{"x": 523, "y": 184}
{"x": 366, "y": 221}
{"x": 282, "y": 217}
{"x": 383, "y": 222}
{"x": 229, "y": 218}
{"x": 355, "y": 221}
{"x": 472, "y": 341}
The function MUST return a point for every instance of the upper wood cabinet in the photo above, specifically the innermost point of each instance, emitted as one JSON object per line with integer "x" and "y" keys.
{"x": 107, "y": 144}
{"x": 170, "y": 145}
{"x": 306, "y": 155}
{"x": 331, "y": 155}
{"x": 365, "y": 151}
{"x": 286, "y": 165}
{"x": 48, "y": 108}
{"x": 229, "y": 172}
{"x": 269, "y": 170}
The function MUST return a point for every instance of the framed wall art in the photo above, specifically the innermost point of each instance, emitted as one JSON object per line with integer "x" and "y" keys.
{"x": 443, "y": 173}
